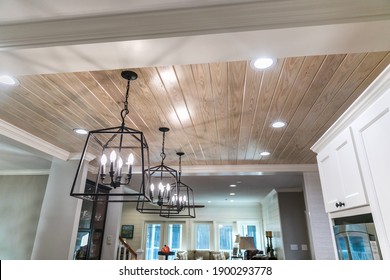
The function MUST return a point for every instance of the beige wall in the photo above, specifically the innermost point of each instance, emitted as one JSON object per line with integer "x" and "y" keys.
{"x": 214, "y": 214}
{"x": 271, "y": 218}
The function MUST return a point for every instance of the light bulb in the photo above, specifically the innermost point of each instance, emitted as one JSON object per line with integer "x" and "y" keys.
{"x": 120, "y": 163}
{"x": 161, "y": 187}
{"x": 130, "y": 159}
{"x": 103, "y": 159}
{"x": 103, "y": 162}
{"x": 112, "y": 159}
{"x": 112, "y": 156}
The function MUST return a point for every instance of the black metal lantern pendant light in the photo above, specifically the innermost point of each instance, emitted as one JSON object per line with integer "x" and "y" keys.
{"x": 182, "y": 204}
{"x": 161, "y": 179}
{"x": 113, "y": 154}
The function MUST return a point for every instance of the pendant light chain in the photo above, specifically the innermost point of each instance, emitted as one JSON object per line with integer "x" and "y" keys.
{"x": 180, "y": 154}
{"x": 163, "y": 155}
{"x": 125, "y": 110}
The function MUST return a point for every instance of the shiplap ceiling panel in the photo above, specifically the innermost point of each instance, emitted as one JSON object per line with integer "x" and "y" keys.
{"x": 218, "y": 113}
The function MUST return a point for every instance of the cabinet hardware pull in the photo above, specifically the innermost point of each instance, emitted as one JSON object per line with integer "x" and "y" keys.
{"x": 340, "y": 204}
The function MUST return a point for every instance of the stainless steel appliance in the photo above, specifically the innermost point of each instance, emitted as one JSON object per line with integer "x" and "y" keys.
{"x": 356, "y": 238}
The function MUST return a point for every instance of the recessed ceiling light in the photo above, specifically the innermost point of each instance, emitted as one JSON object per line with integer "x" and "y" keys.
{"x": 278, "y": 124}
{"x": 80, "y": 131}
{"x": 8, "y": 80}
{"x": 232, "y": 193}
{"x": 265, "y": 154}
{"x": 233, "y": 186}
{"x": 231, "y": 200}
{"x": 262, "y": 63}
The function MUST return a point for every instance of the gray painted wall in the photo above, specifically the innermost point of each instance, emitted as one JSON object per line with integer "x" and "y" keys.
{"x": 294, "y": 226}
{"x": 20, "y": 206}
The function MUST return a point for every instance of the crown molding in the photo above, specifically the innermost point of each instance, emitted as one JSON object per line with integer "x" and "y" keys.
{"x": 24, "y": 172}
{"x": 377, "y": 88}
{"x": 172, "y": 22}
{"x": 77, "y": 156}
{"x": 250, "y": 169}
{"x": 32, "y": 141}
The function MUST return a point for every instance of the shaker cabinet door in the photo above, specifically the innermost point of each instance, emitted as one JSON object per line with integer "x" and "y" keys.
{"x": 340, "y": 174}
{"x": 330, "y": 178}
{"x": 372, "y": 135}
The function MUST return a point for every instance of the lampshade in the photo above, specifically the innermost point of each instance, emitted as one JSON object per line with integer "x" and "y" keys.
{"x": 111, "y": 154}
{"x": 247, "y": 243}
{"x": 237, "y": 240}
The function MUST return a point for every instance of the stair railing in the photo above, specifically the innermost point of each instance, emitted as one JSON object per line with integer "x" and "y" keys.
{"x": 125, "y": 252}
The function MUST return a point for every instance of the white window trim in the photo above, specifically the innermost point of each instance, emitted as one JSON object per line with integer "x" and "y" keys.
{"x": 164, "y": 232}
{"x": 232, "y": 224}
{"x": 259, "y": 232}
{"x": 212, "y": 234}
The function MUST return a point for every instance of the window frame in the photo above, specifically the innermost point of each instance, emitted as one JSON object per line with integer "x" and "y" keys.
{"x": 231, "y": 225}
{"x": 211, "y": 234}
{"x": 259, "y": 230}
{"x": 164, "y": 233}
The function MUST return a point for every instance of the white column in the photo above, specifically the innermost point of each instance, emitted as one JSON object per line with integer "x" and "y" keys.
{"x": 112, "y": 230}
{"x": 140, "y": 254}
{"x": 60, "y": 213}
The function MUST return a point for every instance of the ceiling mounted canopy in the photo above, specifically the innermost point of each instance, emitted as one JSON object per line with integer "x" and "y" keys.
{"x": 110, "y": 155}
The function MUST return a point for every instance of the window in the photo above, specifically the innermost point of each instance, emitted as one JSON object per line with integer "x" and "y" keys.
{"x": 175, "y": 232}
{"x": 202, "y": 233}
{"x": 153, "y": 239}
{"x": 160, "y": 234}
{"x": 251, "y": 229}
{"x": 225, "y": 237}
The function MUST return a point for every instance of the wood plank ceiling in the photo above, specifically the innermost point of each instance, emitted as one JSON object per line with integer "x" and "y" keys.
{"x": 218, "y": 113}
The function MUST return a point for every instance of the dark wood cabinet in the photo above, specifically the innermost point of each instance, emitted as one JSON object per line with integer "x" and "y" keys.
{"x": 91, "y": 225}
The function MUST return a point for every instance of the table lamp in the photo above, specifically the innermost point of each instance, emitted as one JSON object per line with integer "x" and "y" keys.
{"x": 247, "y": 243}
{"x": 236, "y": 246}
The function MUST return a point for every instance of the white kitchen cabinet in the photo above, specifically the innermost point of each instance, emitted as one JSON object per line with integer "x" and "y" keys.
{"x": 371, "y": 132}
{"x": 340, "y": 174}
{"x": 353, "y": 158}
